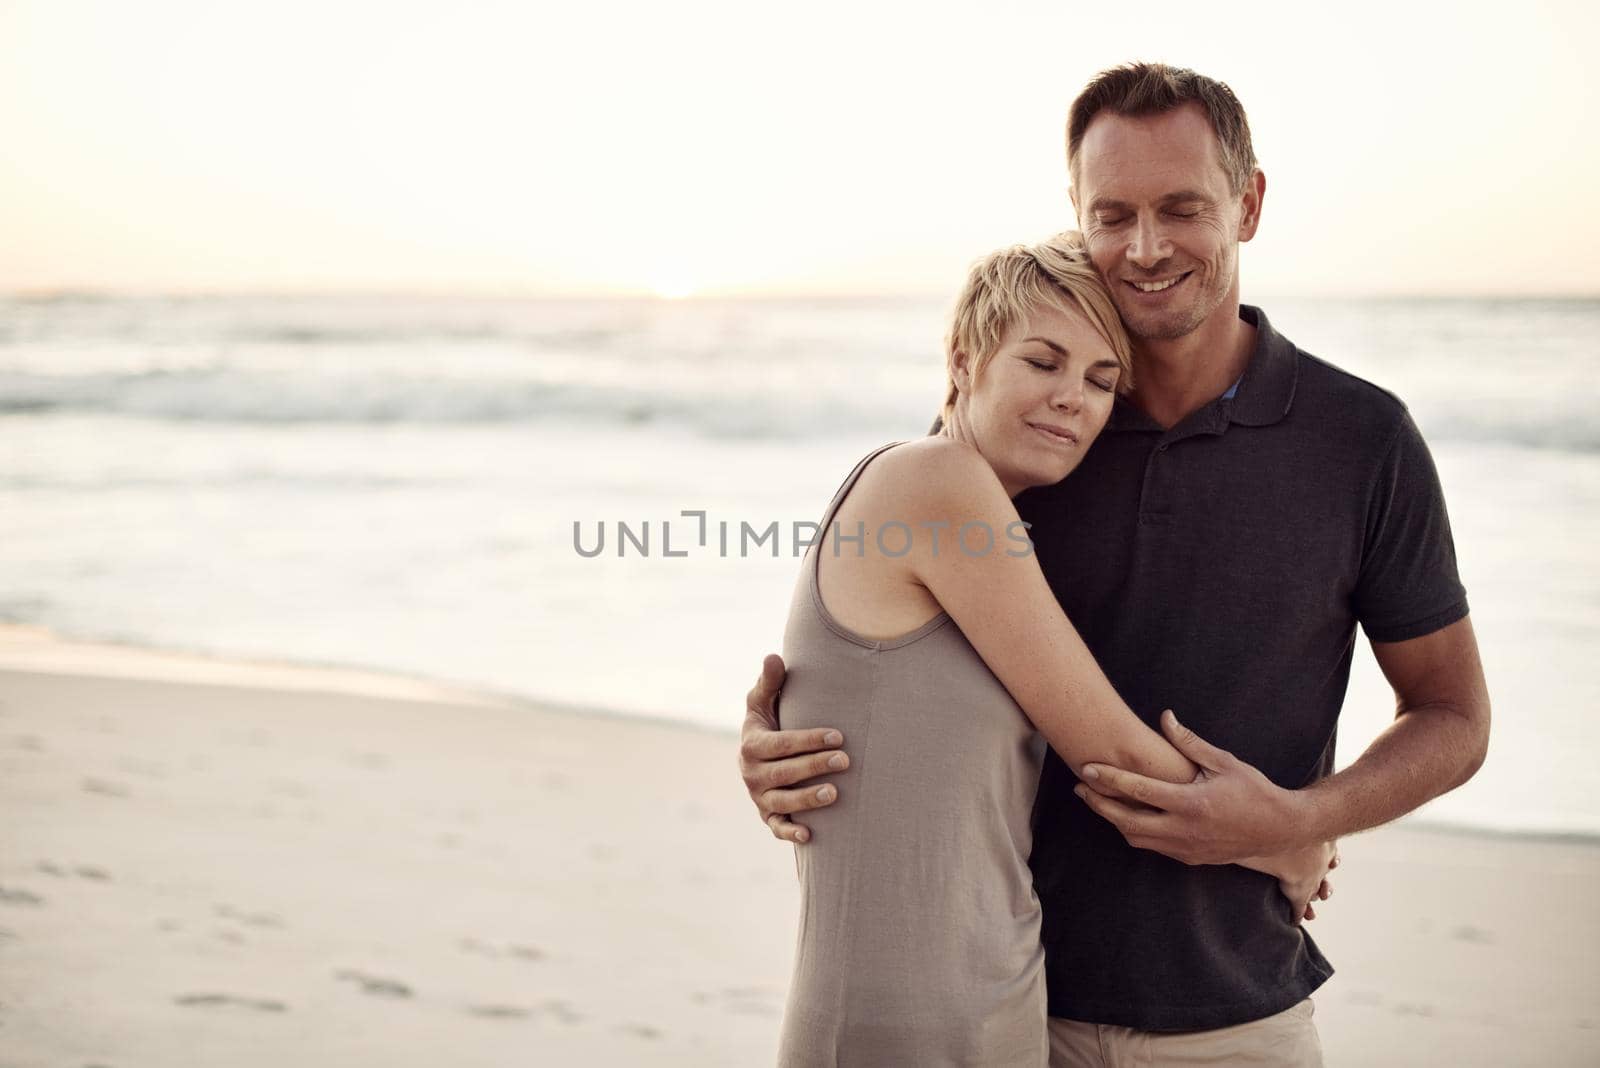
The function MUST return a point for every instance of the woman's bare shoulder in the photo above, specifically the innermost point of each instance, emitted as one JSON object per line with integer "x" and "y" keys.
{"x": 931, "y": 473}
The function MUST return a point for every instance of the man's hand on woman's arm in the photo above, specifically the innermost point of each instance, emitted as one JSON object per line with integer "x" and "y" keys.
{"x": 1151, "y": 815}
{"x": 776, "y": 763}
{"x": 1231, "y": 811}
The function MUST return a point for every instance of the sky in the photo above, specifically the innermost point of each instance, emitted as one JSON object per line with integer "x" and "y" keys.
{"x": 748, "y": 148}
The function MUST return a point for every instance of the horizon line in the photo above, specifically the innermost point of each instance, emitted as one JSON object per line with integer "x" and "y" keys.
{"x": 68, "y": 294}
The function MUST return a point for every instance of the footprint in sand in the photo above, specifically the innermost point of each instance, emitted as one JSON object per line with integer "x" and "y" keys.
{"x": 369, "y": 761}
{"x": 374, "y": 985}
{"x": 1477, "y": 935}
{"x": 639, "y": 1030}
{"x": 555, "y": 1009}
{"x": 29, "y": 742}
{"x": 500, "y": 1012}
{"x": 11, "y": 896}
{"x": 108, "y": 789}
{"x": 83, "y": 871}
{"x": 249, "y": 919}
{"x": 484, "y": 949}
{"x": 230, "y": 1001}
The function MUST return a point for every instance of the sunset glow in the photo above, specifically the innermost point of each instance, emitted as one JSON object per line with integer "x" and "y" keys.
{"x": 189, "y": 145}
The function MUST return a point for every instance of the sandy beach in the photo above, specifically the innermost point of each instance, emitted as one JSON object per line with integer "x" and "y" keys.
{"x": 210, "y": 863}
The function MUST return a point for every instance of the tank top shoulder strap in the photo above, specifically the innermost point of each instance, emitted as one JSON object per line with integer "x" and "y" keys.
{"x": 850, "y": 481}
{"x": 813, "y": 578}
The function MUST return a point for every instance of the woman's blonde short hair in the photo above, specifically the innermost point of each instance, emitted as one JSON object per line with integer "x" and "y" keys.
{"x": 1006, "y": 285}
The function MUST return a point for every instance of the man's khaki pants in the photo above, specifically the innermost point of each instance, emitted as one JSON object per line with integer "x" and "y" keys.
{"x": 1289, "y": 1038}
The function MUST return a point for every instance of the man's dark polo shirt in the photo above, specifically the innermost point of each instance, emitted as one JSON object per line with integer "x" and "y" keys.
{"x": 1219, "y": 569}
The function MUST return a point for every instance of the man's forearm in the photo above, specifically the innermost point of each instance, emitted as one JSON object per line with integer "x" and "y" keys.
{"x": 1426, "y": 752}
{"x": 1232, "y": 811}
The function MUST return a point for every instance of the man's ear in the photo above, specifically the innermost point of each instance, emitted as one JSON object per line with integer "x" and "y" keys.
{"x": 1072, "y": 195}
{"x": 1255, "y": 191}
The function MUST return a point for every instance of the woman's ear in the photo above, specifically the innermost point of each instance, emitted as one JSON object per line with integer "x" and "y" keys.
{"x": 961, "y": 370}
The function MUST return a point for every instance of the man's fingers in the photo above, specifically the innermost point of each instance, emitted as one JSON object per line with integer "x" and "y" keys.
{"x": 788, "y": 830}
{"x": 762, "y": 700}
{"x": 1115, "y": 782}
{"x": 777, "y": 774}
{"x": 1130, "y": 821}
{"x": 803, "y": 799}
{"x": 1192, "y": 745}
{"x": 758, "y": 745}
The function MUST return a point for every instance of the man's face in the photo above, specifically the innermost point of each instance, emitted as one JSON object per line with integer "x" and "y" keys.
{"x": 1162, "y": 224}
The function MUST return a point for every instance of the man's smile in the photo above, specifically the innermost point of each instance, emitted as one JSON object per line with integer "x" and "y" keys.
{"x": 1158, "y": 286}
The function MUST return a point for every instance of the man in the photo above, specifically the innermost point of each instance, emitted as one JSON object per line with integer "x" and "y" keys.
{"x": 1243, "y": 511}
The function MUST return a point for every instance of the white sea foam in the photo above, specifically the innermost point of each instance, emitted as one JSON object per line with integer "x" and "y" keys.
{"x": 1471, "y": 372}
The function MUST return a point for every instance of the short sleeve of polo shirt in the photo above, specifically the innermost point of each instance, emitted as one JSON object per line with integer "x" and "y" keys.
{"x": 1408, "y": 586}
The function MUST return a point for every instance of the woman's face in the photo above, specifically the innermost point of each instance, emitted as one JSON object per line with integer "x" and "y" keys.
{"x": 1041, "y": 401}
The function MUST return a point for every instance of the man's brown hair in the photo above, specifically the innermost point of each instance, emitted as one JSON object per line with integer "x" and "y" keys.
{"x": 1136, "y": 89}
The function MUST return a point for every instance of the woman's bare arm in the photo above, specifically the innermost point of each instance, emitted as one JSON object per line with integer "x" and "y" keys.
{"x": 1004, "y": 606}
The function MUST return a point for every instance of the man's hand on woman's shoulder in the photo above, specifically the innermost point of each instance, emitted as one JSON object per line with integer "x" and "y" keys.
{"x": 776, "y": 763}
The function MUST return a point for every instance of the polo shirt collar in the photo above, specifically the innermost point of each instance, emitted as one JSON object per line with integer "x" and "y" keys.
{"x": 1265, "y": 391}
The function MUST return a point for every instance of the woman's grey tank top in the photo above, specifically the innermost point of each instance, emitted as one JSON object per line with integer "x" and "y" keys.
{"x": 919, "y": 928}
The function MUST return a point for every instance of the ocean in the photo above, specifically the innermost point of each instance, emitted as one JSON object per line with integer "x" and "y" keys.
{"x": 419, "y": 485}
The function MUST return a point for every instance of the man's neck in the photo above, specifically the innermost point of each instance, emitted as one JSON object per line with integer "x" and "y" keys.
{"x": 1174, "y": 377}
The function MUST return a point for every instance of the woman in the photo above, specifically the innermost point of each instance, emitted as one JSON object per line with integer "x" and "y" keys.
{"x": 923, "y": 627}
